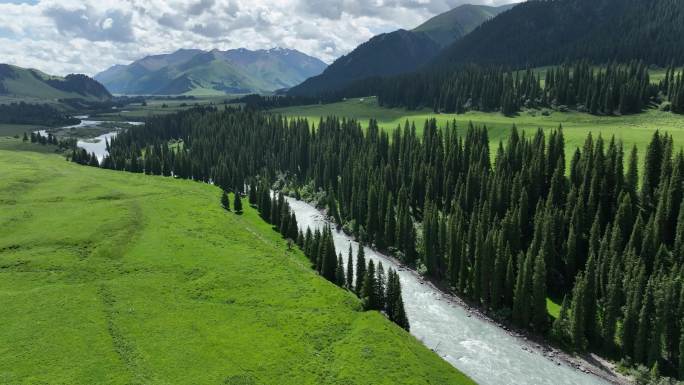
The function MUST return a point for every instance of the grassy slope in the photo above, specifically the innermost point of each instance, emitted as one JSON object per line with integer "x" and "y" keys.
{"x": 110, "y": 277}
{"x": 17, "y": 129}
{"x": 632, "y": 129}
{"x": 26, "y": 87}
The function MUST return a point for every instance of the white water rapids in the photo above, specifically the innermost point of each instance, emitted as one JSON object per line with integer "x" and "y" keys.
{"x": 478, "y": 348}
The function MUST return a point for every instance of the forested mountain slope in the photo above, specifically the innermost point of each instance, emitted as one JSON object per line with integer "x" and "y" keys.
{"x": 539, "y": 33}
{"x": 387, "y": 54}
{"x": 399, "y": 51}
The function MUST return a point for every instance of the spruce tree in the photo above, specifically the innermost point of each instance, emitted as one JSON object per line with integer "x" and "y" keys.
{"x": 400, "y": 317}
{"x": 523, "y": 293}
{"x": 641, "y": 339}
{"x": 339, "y": 272}
{"x": 539, "y": 313}
{"x": 300, "y": 239}
{"x": 381, "y": 285}
{"x": 560, "y": 324}
{"x": 350, "y": 270}
{"x": 652, "y": 168}
{"x": 293, "y": 227}
{"x": 681, "y": 354}
{"x": 390, "y": 223}
{"x": 225, "y": 201}
{"x": 360, "y": 270}
{"x": 509, "y": 283}
{"x": 578, "y": 314}
{"x": 253, "y": 194}
{"x": 590, "y": 295}
{"x": 237, "y": 204}
{"x": 391, "y": 294}
{"x": 369, "y": 291}
{"x": 328, "y": 257}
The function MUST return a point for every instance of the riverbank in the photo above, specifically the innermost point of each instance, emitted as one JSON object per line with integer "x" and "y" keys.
{"x": 518, "y": 356}
{"x": 589, "y": 363}
{"x": 92, "y": 135}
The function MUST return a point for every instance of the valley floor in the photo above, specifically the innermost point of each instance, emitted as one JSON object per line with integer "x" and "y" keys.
{"x": 111, "y": 277}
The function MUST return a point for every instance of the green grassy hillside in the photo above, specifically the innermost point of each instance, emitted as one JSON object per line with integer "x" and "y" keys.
{"x": 631, "y": 129}
{"x": 115, "y": 278}
{"x": 32, "y": 86}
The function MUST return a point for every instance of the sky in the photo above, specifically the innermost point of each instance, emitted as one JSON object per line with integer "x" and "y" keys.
{"x": 67, "y": 36}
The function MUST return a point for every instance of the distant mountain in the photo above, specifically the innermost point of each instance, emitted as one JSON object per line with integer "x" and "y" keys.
{"x": 30, "y": 85}
{"x": 538, "y": 33}
{"x": 384, "y": 55}
{"x": 211, "y": 72}
{"x": 400, "y": 51}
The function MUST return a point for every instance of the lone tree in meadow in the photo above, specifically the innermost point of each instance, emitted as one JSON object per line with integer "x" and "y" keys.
{"x": 237, "y": 204}
{"x": 225, "y": 202}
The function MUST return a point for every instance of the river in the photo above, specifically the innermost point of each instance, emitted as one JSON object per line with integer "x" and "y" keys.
{"x": 98, "y": 144}
{"x": 482, "y": 350}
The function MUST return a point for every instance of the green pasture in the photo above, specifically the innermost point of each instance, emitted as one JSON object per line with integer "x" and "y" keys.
{"x": 116, "y": 278}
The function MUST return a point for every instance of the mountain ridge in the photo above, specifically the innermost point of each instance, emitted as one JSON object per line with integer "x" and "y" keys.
{"x": 28, "y": 84}
{"x": 446, "y": 27}
{"x": 191, "y": 70}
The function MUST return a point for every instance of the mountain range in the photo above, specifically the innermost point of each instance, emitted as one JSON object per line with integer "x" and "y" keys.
{"x": 22, "y": 84}
{"x": 193, "y": 71}
{"x": 399, "y": 51}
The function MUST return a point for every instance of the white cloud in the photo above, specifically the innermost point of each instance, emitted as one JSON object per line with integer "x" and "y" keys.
{"x": 88, "y": 36}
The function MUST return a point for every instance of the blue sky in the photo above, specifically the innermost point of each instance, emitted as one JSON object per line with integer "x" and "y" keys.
{"x": 88, "y": 36}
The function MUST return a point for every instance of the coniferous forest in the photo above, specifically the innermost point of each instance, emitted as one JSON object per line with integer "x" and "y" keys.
{"x": 546, "y": 32}
{"x": 25, "y": 113}
{"x": 378, "y": 291}
{"x": 603, "y": 232}
{"x": 616, "y": 89}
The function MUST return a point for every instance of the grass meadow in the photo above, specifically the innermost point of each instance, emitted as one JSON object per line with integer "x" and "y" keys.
{"x": 116, "y": 278}
{"x": 631, "y": 129}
